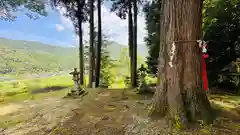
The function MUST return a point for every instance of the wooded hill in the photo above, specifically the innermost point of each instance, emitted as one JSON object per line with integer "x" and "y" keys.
{"x": 19, "y": 56}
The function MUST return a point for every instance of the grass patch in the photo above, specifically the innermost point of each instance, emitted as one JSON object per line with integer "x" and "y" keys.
{"x": 23, "y": 89}
{"x": 28, "y": 96}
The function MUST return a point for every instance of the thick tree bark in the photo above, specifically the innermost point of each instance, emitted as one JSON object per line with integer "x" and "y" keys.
{"x": 80, "y": 35}
{"x": 159, "y": 103}
{"x": 99, "y": 44}
{"x": 134, "y": 48}
{"x": 91, "y": 47}
{"x": 130, "y": 39}
{"x": 179, "y": 93}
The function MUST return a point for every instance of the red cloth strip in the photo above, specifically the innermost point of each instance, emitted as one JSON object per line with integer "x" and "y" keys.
{"x": 204, "y": 73}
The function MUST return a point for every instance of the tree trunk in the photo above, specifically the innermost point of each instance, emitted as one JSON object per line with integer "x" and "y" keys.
{"x": 180, "y": 92}
{"x": 91, "y": 46}
{"x": 80, "y": 35}
{"x": 134, "y": 48}
{"x": 99, "y": 44}
{"x": 130, "y": 38}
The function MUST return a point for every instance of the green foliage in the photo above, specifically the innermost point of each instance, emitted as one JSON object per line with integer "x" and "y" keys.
{"x": 123, "y": 65}
{"x": 141, "y": 80}
{"x": 152, "y": 40}
{"x": 107, "y": 63}
{"x": 127, "y": 81}
{"x": 221, "y": 28}
{"x": 178, "y": 125}
{"x": 32, "y": 8}
{"x": 205, "y": 128}
{"x": 105, "y": 72}
{"x": 120, "y": 7}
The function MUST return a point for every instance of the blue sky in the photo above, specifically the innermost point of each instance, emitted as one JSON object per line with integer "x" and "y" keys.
{"x": 58, "y": 30}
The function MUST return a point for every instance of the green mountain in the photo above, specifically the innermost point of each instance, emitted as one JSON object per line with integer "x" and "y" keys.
{"x": 18, "y": 56}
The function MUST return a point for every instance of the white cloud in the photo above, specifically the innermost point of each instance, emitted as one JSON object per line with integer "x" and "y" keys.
{"x": 64, "y": 20}
{"x": 59, "y": 27}
{"x": 113, "y": 27}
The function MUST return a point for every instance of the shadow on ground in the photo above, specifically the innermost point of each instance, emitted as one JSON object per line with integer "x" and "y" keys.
{"x": 227, "y": 108}
{"x": 48, "y": 89}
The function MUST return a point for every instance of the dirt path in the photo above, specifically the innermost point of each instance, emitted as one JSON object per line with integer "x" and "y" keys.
{"x": 22, "y": 118}
{"x": 110, "y": 113}
{"x": 101, "y": 112}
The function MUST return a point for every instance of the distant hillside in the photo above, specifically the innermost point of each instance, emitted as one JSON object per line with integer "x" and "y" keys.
{"x": 18, "y": 56}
